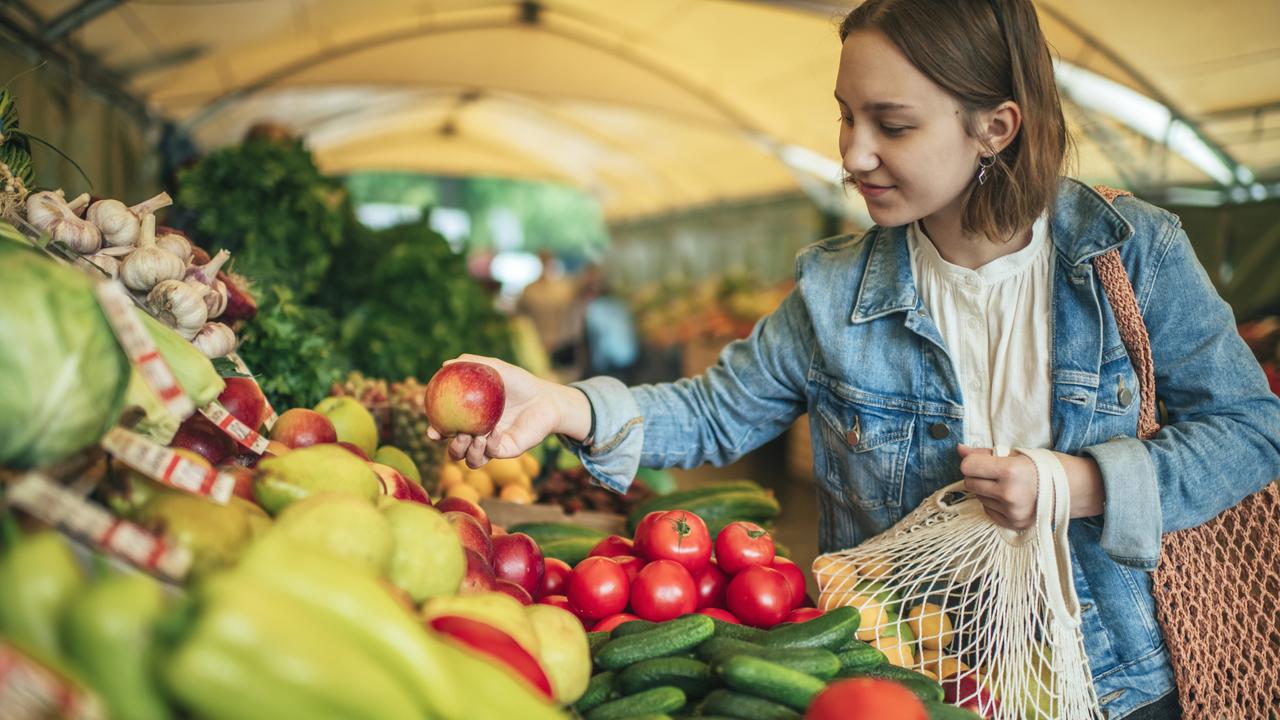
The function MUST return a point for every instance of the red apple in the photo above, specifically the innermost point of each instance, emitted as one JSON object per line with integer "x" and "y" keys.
{"x": 300, "y": 427}
{"x": 965, "y": 691}
{"x": 465, "y": 397}
{"x": 473, "y": 537}
{"x": 204, "y": 438}
{"x": 515, "y": 591}
{"x": 479, "y": 576}
{"x": 463, "y": 505}
{"x": 355, "y": 450}
{"x": 555, "y": 576}
{"x": 245, "y": 400}
{"x": 516, "y": 557}
{"x": 244, "y": 480}
{"x": 396, "y": 485}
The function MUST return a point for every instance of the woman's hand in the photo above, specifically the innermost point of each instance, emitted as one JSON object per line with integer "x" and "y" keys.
{"x": 535, "y": 408}
{"x": 1006, "y": 486}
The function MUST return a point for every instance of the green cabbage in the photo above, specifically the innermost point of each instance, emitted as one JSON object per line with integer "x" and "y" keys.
{"x": 62, "y": 373}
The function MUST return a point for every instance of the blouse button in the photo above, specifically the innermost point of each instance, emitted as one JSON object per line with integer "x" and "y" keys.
{"x": 938, "y": 431}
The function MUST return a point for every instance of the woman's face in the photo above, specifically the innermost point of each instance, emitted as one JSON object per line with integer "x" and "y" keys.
{"x": 902, "y": 137}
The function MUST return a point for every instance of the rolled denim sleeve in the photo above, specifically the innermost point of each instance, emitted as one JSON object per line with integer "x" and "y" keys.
{"x": 753, "y": 393}
{"x": 1221, "y": 442}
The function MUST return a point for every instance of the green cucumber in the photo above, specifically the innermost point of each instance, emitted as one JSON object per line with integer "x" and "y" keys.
{"x": 678, "y": 499}
{"x": 942, "y": 711}
{"x": 830, "y": 630}
{"x": 745, "y": 707}
{"x": 545, "y": 532}
{"x": 600, "y": 690}
{"x": 810, "y": 661}
{"x": 922, "y": 686}
{"x": 572, "y": 550}
{"x": 669, "y": 638}
{"x": 858, "y": 656}
{"x": 738, "y": 632}
{"x": 691, "y": 676}
{"x": 771, "y": 681}
{"x": 631, "y": 627}
{"x": 595, "y": 640}
{"x": 656, "y": 700}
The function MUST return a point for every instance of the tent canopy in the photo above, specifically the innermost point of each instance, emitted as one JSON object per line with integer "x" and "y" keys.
{"x": 660, "y": 105}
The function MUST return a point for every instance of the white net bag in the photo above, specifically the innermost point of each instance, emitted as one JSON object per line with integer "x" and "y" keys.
{"x": 990, "y": 612}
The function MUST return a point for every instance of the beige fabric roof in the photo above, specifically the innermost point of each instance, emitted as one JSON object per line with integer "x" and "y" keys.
{"x": 652, "y": 105}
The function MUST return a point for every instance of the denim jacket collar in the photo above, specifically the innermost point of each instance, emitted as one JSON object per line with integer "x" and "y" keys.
{"x": 1084, "y": 225}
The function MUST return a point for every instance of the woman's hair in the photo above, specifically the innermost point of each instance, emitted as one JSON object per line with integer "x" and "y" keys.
{"x": 984, "y": 52}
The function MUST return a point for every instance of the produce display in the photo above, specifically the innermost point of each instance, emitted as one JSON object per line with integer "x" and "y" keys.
{"x": 717, "y": 308}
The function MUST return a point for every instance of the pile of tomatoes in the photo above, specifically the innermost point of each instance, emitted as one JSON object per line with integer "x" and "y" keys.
{"x": 672, "y": 567}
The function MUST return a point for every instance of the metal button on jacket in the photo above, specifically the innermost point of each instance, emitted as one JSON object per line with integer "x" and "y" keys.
{"x": 939, "y": 431}
{"x": 854, "y": 436}
{"x": 1125, "y": 396}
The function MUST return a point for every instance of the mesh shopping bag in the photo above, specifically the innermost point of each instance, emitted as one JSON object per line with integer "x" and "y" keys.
{"x": 990, "y": 612}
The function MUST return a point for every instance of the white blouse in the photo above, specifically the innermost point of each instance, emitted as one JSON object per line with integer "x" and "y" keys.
{"x": 996, "y": 324}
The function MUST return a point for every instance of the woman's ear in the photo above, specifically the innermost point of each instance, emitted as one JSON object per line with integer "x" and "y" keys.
{"x": 1001, "y": 124}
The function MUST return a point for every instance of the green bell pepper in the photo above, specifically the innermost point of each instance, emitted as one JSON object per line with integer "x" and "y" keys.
{"x": 107, "y": 633}
{"x": 39, "y": 575}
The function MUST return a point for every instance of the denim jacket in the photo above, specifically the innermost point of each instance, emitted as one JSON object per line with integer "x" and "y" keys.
{"x": 854, "y": 347}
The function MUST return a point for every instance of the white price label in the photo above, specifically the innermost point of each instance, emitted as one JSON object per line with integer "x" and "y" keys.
{"x": 164, "y": 465}
{"x": 231, "y": 425}
{"x": 141, "y": 350}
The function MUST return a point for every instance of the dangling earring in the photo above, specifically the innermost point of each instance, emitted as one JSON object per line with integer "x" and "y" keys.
{"x": 984, "y": 166}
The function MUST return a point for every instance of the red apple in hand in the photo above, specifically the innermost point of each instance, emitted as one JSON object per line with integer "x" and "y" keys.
{"x": 245, "y": 400}
{"x": 516, "y": 557}
{"x": 479, "y": 576}
{"x": 396, "y": 485}
{"x": 465, "y": 397}
{"x": 300, "y": 427}
{"x": 463, "y": 505}
{"x": 473, "y": 537}
{"x": 203, "y": 438}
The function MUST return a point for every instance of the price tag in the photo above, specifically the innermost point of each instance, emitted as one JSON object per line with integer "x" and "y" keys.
{"x": 243, "y": 369}
{"x": 231, "y": 425}
{"x": 141, "y": 350}
{"x": 164, "y": 465}
{"x": 29, "y": 690}
{"x": 55, "y": 505}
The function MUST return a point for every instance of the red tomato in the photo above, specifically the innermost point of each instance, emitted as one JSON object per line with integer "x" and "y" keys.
{"x": 597, "y": 588}
{"x": 559, "y": 601}
{"x": 711, "y": 583}
{"x": 720, "y": 614}
{"x": 676, "y": 535}
{"x": 759, "y": 596}
{"x": 612, "y": 546}
{"x": 613, "y": 621}
{"x": 647, "y": 520}
{"x": 795, "y": 578}
{"x": 743, "y": 544}
{"x": 631, "y": 564}
{"x": 554, "y": 576}
{"x": 800, "y": 615}
{"x": 663, "y": 591}
{"x": 866, "y": 699}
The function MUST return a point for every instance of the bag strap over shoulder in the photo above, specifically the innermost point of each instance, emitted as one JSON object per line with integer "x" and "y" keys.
{"x": 1133, "y": 331}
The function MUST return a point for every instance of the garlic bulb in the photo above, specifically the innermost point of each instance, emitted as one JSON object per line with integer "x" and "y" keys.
{"x": 50, "y": 212}
{"x": 121, "y": 225}
{"x": 177, "y": 245}
{"x": 205, "y": 277}
{"x": 215, "y": 340}
{"x": 148, "y": 265}
{"x": 178, "y": 305}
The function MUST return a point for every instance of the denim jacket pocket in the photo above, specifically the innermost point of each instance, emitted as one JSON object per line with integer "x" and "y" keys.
{"x": 1117, "y": 384}
{"x": 867, "y": 450}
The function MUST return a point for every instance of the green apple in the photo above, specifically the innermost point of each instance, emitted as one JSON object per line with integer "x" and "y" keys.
{"x": 341, "y": 525}
{"x": 427, "y": 560}
{"x": 562, "y": 650}
{"x": 352, "y": 421}
{"x": 497, "y": 609}
{"x": 398, "y": 459}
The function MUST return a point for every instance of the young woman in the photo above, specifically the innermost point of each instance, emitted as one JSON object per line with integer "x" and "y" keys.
{"x": 969, "y": 312}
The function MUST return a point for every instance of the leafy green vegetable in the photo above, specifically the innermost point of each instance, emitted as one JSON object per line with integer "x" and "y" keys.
{"x": 62, "y": 374}
{"x": 292, "y": 349}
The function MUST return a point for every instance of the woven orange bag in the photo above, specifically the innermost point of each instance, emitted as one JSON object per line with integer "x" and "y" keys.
{"x": 1217, "y": 588}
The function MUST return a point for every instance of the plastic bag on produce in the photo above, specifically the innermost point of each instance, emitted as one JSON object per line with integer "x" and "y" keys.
{"x": 991, "y": 612}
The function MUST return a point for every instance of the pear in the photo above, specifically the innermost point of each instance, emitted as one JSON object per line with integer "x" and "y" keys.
{"x": 398, "y": 459}
{"x": 427, "y": 560}
{"x": 563, "y": 651}
{"x": 215, "y": 534}
{"x": 352, "y": 421}
{"x": 311, "y": 470}
{"x": 340, "y": 525}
